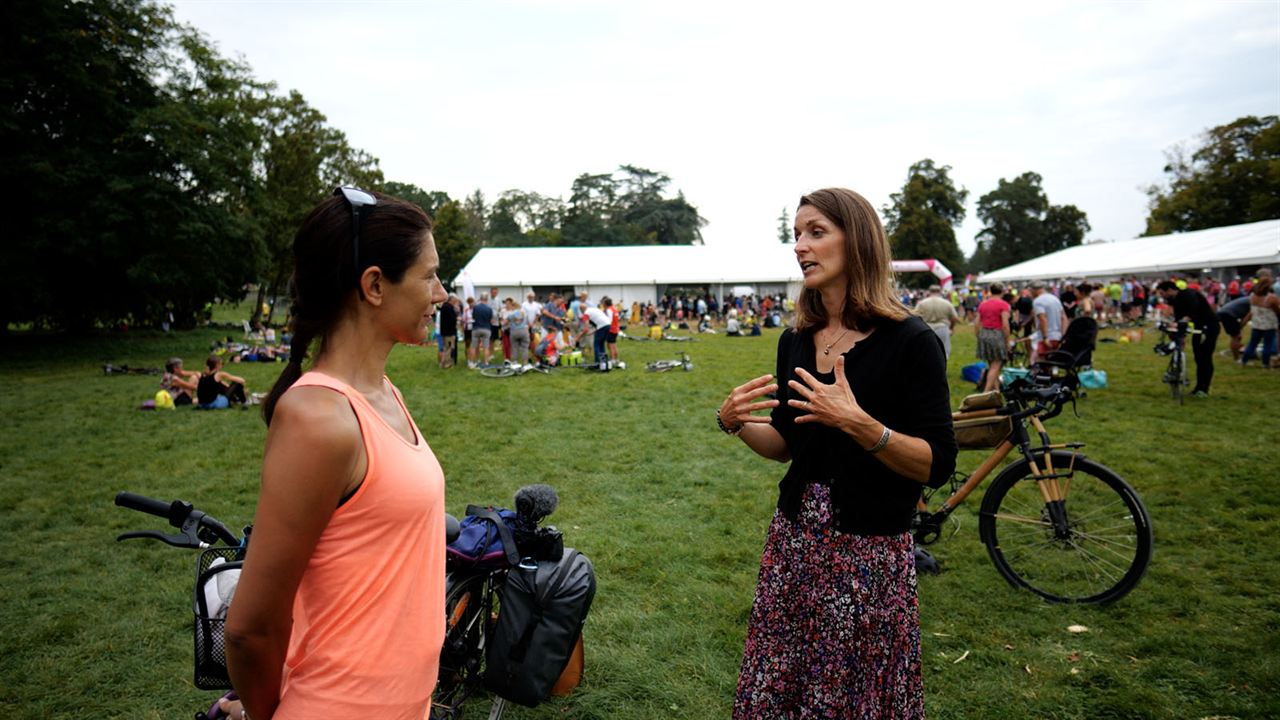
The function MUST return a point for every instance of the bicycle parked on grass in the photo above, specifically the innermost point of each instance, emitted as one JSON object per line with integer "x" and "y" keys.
{"x": 471, "y": 594}
{"x": 664, "y": 365}
{"x": 1173, "y": 343}
{"x": 511, "y": 369}
{"x": 1054, "y": 522}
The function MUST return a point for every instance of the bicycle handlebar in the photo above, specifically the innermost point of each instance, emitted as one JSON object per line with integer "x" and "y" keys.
{"x": 198, "y": 529}
{"x": 141, "y": 503}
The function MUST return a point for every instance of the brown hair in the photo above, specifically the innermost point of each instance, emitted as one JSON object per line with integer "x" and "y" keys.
{"x": 1262, "y": 287}
{"x": 869, "y": 296}
{"x": 325, "y": 279}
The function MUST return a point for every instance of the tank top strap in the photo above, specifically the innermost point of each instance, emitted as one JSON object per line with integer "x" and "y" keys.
{"x": 364, "y": 410}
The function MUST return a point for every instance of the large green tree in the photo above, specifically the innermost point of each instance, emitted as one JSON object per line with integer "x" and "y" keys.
{"x": 429, "y": 200}
{"x": 1232, "y": 178}
{"x": 454, "y": 242}
{"x": 1019, "y": 223}
{"x": 628, "y": 208}
{"x": 921, "y": 219}
{"x": 303, "y": 159}
{"x": 155, "y": 174}
{"x": 130, "y": 209}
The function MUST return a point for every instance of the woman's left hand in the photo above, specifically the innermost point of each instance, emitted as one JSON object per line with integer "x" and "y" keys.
{"x": 832, "y": 404}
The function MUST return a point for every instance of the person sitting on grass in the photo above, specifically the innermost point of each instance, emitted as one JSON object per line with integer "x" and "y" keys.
{"x": 732, "y": 327}
{"x": 217, "y": 389}
{"x": 179, "y": 383}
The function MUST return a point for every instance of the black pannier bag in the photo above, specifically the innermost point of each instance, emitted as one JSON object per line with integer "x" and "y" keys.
{"x": 540, "y": 616}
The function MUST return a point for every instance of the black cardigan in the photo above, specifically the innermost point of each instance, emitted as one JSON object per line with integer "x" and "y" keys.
{"x": 898, "y": 374}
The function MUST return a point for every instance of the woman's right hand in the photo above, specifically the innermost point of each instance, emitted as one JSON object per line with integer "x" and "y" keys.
{"x": 735, "y": 411}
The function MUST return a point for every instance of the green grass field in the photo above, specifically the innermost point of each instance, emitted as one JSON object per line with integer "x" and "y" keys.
{"x": 672, "y": 513}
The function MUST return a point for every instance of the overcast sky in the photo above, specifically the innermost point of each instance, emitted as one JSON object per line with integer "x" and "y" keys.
{"x": 746, "y": 106}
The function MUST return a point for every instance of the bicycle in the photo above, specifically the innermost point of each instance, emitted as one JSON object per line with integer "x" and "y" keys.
{"x": 510, "y": 369}
{"x": 222, "y": 553}
{"x": 471, "y": 605}
{"x": 110, "y": 369}
{"x": 1054, "y": 522}
{"x": 1173, "y": 343}
{"x": 664, "y": 365}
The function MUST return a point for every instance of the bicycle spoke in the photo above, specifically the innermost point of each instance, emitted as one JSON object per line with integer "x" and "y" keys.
{"x": 1021, "y": 519}
{"x": 1099, "y": 562}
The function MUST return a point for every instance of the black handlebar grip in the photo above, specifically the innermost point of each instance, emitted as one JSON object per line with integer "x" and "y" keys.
{"x": 151, "y": 506}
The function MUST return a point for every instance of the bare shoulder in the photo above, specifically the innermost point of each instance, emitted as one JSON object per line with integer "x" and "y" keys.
{"x": 318, "y": 417}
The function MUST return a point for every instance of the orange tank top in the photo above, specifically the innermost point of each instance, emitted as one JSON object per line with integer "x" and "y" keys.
{"x": 368, "y": 618}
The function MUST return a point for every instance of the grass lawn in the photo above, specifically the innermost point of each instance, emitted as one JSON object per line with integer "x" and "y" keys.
{"x": 672, "y": 513}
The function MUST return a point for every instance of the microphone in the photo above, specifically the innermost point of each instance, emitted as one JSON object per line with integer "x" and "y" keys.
{"x": 536, "y": 501}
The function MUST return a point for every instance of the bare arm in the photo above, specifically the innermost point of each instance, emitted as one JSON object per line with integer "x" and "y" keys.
{"x": 313, "y": 455}
{"x": 188, "y": 381}
{"x": 1004, "y": 325}
{"x": 224, "y": 376}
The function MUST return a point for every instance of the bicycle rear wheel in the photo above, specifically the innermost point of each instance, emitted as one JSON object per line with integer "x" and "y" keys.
{"x": 1096, "y": 554}
{"x": 498, "y": 371}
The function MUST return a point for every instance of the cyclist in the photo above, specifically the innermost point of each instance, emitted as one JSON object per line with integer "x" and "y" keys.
{"x": 1191, "y": 306}
{"x": 337, "y": 613}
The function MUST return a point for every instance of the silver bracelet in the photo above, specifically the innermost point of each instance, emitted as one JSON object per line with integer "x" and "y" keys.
{"x": 884, "y": 440}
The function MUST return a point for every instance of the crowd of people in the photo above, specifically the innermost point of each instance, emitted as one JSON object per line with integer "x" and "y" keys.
{"x": 494, "y": 329}
{"x": 1039, "y": 313}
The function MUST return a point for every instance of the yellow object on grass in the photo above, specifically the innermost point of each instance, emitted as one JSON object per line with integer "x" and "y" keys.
{"x": 164, "y": 401}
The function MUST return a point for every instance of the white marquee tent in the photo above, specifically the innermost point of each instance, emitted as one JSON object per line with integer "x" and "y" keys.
{"x": 1245, "y": 247}
{"x": 634, "y": 273}
{"x": 642, "y": 273}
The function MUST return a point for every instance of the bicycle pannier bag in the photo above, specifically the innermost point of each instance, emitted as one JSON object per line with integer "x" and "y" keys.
{"x": 978, "y": 433}
{"x": 572, "y": 675}
{"x": 540, "y": 620}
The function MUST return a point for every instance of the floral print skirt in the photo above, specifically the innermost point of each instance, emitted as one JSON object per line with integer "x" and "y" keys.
{"x": 834, "y": 631}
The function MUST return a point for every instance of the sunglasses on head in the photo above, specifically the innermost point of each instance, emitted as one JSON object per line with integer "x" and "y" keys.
{"x": 358, "y": 200}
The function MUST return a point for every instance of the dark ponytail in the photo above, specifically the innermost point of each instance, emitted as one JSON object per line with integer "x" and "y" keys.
{"x": 325, "y": 280}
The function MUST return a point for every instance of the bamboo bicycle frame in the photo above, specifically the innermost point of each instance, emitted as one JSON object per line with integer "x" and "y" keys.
{"x": 1047, "y": 478}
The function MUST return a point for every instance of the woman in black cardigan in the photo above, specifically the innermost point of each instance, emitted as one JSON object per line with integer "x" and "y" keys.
{"x": 863, "y": 414}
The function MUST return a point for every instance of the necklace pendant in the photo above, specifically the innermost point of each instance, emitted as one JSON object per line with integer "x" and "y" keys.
{"x": 826, "y": 350}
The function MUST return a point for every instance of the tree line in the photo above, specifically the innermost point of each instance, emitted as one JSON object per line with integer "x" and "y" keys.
{"x": 1232, "y": 177}
{"x": 149, "y": 175}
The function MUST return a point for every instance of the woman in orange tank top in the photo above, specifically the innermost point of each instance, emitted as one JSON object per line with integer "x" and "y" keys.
{"x": 340, "y": 607}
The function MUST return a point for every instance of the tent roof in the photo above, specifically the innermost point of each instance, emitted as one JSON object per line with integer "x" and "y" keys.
{"x": 632, "y": 265}
{"x": 1232, "y": 246}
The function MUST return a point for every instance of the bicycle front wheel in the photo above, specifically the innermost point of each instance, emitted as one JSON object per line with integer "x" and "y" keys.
{"x": 498, "y": 371}
{"x": 1092, "y": 547}
{"x": 462, "y": 657}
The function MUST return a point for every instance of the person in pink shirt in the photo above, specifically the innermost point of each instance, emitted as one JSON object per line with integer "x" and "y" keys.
{"x": 992, "y": 326}
{"x": 339, "y": 612}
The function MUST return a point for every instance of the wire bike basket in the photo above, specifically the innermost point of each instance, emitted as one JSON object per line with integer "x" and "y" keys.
{"x": 217, "y": 573}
